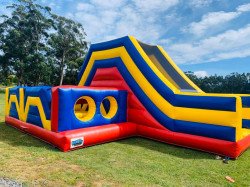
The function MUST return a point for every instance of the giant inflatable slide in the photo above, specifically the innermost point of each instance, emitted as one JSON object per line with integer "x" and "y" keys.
{"x": 128, "y": 88}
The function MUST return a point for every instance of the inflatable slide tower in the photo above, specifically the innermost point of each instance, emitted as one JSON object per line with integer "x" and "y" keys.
{"x": 129, "y": 88}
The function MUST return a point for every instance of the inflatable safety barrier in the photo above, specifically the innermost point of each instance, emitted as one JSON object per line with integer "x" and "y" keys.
{"x": 128, "y": 88}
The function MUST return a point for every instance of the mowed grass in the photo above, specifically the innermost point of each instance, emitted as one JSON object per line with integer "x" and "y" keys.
{"x": 129, "y": 162}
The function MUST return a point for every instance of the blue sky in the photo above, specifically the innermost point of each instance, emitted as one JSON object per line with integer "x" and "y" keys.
{"x": 205, "y": 36}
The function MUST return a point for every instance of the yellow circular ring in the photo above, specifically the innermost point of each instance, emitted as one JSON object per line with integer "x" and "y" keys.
{"x": 91, "y": 109}
{"x": 113, "y": 108}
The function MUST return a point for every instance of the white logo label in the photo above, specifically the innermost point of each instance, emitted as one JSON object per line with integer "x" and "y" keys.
{"x": 76, "y": 142}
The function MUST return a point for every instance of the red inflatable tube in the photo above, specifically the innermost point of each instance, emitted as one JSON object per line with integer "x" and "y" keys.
{"x": 92, "y": 135}
{"x": 220, "y": 147}
{"x": 112, "y": 132}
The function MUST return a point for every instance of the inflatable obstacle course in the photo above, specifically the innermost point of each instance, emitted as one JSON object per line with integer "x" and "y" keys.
{"x": 128, "y": 88}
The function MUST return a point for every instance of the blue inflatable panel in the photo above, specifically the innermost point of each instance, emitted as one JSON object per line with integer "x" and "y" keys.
{"x": 223, "y": 103}
{"x": 207, "y": 130}
{"x": 44, "y": 93}
{"x": 14, "y": 114}
{"x": 68, "y": 97}
{"x": 33, "y": 110}
{"x": 206, "y": 102}
{"x": 245, "y": 102}
{"x": 35, "y": 120}
{"x": 246, "y": 123}
{"x": 13, "y": 109}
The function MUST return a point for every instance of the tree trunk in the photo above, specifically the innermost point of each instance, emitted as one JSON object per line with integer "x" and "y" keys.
{"x": 21, "y": 79}
{"x": 61, "y": 69}
{"x": 61, "y": 77}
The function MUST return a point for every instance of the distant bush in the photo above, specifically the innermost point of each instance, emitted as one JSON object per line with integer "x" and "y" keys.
{"x": 2, "y": 90}
{"x": 233, "y": 83}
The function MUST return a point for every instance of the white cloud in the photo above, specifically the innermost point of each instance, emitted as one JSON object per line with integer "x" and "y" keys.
{"x": 229, "y": 40}
{"x": 165, "y": 41}
{"x": 244, "y": 8}
{"x": 103, "y": 21}
{"x": 100, "y": 5}
{"x": 156, "y": 5}
{"x": 108, "y": 4}
{"x": 209, "y": 20}
{"x": 227, "y": 45}
{"x": 214, "y": 19}
{"x": 200, "y": 3}
{"x": 201, "y": 74}
{"x": 240, "y": 53}
{"x": 85, "y": 6}
{"x": 53, "y": 4}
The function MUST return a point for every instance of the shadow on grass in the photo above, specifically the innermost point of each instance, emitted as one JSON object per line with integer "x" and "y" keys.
{"x": 176, "y": 151}
{"x": 14, "y": 137}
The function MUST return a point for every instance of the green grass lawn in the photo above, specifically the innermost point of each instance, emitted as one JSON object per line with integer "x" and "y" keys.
{"x": 134, "y": 161}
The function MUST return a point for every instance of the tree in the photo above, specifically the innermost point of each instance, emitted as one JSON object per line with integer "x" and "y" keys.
{"x": 72, "y": 70}
{"x": 39, "y": 47}
{"x": 24, "y": 36}
{"x": 233, "y": 83}
{"x": 67, "y": 44}
{"x": 236, "y": 83}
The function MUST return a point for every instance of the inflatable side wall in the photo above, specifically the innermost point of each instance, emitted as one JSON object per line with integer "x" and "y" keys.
{"x": 128, "y": 88}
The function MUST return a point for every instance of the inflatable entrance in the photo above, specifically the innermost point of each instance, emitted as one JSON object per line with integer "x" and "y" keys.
{"x": 128, "y": 88}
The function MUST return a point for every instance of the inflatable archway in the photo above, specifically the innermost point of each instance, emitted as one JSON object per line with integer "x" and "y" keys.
{"x": 128, "y": 88}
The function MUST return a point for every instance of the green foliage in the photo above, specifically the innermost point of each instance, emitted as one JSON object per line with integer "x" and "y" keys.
{"x": 36, "y": 45}
{"x": 67, "y": 44}
{"x": 24, "y": 33}
{"x": 233, "y": 83}
{"x": 72, "y": 71}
